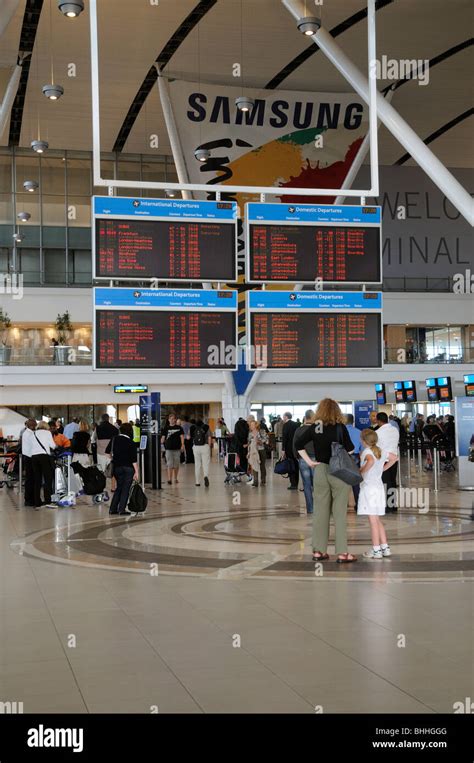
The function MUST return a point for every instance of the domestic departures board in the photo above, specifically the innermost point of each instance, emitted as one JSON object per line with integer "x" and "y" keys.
{"x": 315, "y": 330}
{"x": 164, "y": 329}
{"x": 305, "y": 243}
{"x": 173, "y": 240}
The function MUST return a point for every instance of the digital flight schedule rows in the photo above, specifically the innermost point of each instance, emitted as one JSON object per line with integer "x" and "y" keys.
{"x": 162, "y": 339}
{"x": 316, "y": 340}
{"x": 304, "y": 253}
{"x": 166, "y": 249}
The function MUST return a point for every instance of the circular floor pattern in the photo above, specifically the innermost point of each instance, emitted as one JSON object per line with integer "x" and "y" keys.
{"x": 261, "y": 543}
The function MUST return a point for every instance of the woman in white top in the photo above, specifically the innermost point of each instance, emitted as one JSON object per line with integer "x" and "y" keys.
{"x": 373, "y": 462}
{"x": 38, "y": 445}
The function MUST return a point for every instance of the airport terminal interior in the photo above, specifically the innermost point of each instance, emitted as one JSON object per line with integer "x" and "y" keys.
{"x": 236, "y": 253}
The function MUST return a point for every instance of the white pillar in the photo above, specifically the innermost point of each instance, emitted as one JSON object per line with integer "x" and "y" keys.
{"x": 402, "y": 131}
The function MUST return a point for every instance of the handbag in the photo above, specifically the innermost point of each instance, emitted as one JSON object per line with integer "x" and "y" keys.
{"x": 341, "y": 465}
{"x": 284, "y": 467}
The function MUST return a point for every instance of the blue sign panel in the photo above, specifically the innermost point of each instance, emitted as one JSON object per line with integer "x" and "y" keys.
{"x": 314, "y": 300}
{"x": 122, "y": 206}
{"x": 313, "y": 213}
{"x": 157, "y": 299}
{"x": 362, "y": 410}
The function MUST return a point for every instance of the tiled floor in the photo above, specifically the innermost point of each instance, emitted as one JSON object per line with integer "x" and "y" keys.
{"x": 210, "y": 603}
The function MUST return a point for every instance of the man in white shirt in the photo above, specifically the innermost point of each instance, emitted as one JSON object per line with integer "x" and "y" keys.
{"x": 37, "y": 445}
{"x": 388, "y": 437}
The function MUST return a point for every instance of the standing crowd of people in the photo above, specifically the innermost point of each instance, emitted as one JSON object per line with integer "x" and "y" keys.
{"x": 307, "y": 448}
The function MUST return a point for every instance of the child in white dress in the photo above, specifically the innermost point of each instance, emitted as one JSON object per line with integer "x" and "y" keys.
{"x": 372, "y": 492}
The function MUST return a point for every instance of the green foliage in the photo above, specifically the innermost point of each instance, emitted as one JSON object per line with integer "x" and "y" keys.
{"x": 63, "y": 326}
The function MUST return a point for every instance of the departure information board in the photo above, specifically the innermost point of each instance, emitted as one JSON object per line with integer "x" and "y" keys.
{"x": 173, "y": 240}
{"x": 165, "y": 329}
{"x": 303, "y": 243}
{"x": 308, "y": 330}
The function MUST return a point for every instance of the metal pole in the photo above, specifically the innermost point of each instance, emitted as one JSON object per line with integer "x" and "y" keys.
{"x": 20, "y": 479}
{"x": 142, "y": 469}
{"x": 399, "y": 469}
{"x": 435, "y": 468}
{"x": 402, "y": 131}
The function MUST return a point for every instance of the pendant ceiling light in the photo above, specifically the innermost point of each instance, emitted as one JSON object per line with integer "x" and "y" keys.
{"x": 40, "y": 146}
{"x": 202, "y": 154}
{"x": 309, "y": 25}
{"x": 243, "y": 102}
{"x": 53, "y": 92}
{"x": 71, "y": 9}
{"x": 30, "y": 185}
{"x": 23, "y": 216}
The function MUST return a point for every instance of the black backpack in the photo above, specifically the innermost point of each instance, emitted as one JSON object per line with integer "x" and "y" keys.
{"x": 199, "y": 436}
{"x": 137, "y": 500}
{"x": 93, "y": 479}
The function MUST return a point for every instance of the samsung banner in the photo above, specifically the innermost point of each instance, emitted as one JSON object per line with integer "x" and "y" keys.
{"x": 293, "y": 138}
{"x": 464, "y": 418}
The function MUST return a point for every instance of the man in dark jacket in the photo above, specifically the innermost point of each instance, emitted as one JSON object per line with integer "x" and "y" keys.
{"x": 288, "y": 433}
{"x": 241, "y": 434}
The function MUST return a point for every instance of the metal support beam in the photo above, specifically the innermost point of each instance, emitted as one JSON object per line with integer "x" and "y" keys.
{"x": 402, "y": 131}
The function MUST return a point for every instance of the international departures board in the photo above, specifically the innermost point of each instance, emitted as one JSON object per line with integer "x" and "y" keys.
{"x": 172, "y": 240}
{"x": 164, "y": 329}
{"x": 303, "y": 243}
{"x": 315, "y": 330}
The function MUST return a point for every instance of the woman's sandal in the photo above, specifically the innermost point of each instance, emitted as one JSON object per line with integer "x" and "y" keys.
{"x": 346, "y": 559}
{"x": 318, "y": 557}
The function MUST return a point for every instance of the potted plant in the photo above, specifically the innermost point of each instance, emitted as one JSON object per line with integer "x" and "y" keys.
{"x": 5, "y": 350}
{"x": 63, "y": 326}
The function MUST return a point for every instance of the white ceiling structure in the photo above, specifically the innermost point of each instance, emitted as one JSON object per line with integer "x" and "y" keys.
{"x": 133, "y": 33}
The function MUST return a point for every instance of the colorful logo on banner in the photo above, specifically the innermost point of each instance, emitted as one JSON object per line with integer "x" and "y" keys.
{"x": 288, "y": 140}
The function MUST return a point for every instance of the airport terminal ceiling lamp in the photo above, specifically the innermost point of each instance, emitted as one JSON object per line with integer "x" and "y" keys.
{"x": 30, "y": 185}
{"x": 244, "y": 103}
{"x": 71, "y": 9}
{"x": 170, "y": 193}
{"x": 202, "y": 154}
{"x": 309, "y": 25}
{"x": 53, "y": 92}
{"x": 23, "y": 216}
{"x": 18, "y": 238}
{"x": 40, "y": 146}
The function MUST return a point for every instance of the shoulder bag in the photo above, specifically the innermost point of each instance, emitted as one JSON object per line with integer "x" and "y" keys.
{"x": 341, "y": 465}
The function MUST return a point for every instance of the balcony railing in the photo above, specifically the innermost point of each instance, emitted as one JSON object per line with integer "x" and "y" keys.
{"x": 51, "y": 356}
{"x": 436, "y": 357}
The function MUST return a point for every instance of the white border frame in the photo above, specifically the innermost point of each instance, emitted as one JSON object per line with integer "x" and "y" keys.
{"x": 323, "y": 224}
{"x": 249, "y": 312}
{"x": 163, "y": 278}
{"x": 149, "y": 308}
{"x": 98, "y": 181}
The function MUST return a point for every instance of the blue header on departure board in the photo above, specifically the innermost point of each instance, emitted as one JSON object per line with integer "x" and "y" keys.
{"x": 312, "y": 213}
{"x": 164, "y": 208}
{"x": 172, "y": 298}
{"x": 315, "y": 300}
